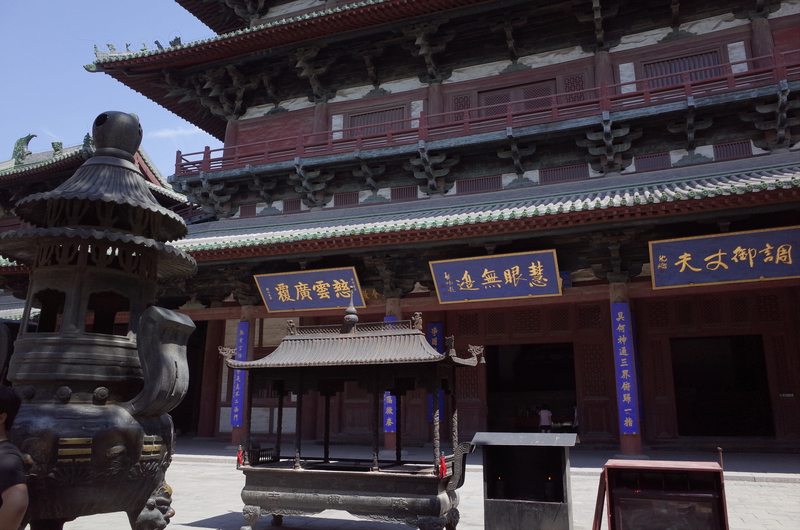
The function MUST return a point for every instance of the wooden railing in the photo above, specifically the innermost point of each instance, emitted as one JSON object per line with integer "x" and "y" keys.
{"x": 706, "y": 81}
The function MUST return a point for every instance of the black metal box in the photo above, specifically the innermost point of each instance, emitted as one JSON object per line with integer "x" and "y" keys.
{"x": 526, "y": 480}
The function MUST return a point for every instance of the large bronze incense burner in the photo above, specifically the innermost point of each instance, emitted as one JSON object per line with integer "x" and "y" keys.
{"x": 97, "y": 386}
{"x": 379, "y": 357}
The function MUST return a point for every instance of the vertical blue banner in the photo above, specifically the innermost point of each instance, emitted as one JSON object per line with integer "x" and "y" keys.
{"x": 436, "y": 336}
{"x": 440, "y": 404}
{"x": 389, "y": 413}
{"x": 624, "y": 369}
{"x": 237, "y": 393}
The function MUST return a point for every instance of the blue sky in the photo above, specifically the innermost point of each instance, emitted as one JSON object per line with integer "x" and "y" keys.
{"x": 45, "y": 90}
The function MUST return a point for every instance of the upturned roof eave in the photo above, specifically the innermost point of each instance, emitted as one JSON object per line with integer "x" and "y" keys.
{"x": 209, "y": 14}
{"x": 347, "y": 349}
{"x": 504, "y": 212}
{"x": 72, "y": 158}
{"x": 290, "y": 30}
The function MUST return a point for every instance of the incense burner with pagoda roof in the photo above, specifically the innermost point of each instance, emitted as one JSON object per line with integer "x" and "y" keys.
{"x": 97, "y": 386}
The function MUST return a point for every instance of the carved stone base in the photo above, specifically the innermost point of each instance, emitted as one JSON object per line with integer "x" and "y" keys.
{"x": 417, "y": 499}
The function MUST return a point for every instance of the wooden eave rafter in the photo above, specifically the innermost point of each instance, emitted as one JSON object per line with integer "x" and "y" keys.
{"x": 507, "y": 227}
{"x": 209, "y": 14}
{"x": 142, "y": 72}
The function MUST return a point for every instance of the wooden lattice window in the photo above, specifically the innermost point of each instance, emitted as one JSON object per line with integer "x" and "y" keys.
{"x": 701, "y": 64}
{"x": 590, "y": 317}
{"x": 376, "y": 121}
{"x": 291, "y": 205}
{"x": 658, "y": 314}
{"x": 479, "y": 184}
{"x": 594, "y": 370}
{"x": 560, "y": 319}
{"x": 519, "y": 98}
{"x": 574, "y": 83}
{"x": 731, "y": 150}
{"x": 468, "y": 324}
{"x": 684, "y": 313}
{"x": 404, "y": 193}
{"x": 341, "y": 200}
{"x": 710, "y": 310}
{"x": 563, "y": 174}
{"x": 496, "y": 323}
{"x": 652, "y": 162}
{"x": 462, "y": 102}
{"x": 527, "y": 321}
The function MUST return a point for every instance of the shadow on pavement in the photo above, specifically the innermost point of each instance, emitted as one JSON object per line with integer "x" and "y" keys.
{"x": 234, "y": 520}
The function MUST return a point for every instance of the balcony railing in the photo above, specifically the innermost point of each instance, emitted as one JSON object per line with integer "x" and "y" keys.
{"x": 706, "y": 81}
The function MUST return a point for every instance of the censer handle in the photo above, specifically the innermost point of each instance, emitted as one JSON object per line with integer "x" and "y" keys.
{"x": 162, "y": 341}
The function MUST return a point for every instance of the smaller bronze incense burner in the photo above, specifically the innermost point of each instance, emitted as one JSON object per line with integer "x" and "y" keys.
{"x": 97, "y": 387}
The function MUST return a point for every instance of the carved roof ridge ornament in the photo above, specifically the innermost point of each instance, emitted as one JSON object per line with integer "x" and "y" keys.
{"x": 21, "y": 150}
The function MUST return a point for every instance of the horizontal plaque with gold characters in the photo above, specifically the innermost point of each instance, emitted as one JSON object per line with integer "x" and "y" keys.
{"x": 520, "y": 275}
{"x": 310, "y": 290}
{"x": 726, "y": 258}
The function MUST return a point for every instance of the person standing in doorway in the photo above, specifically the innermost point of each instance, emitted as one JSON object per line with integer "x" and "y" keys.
{"x": 13, "y": 481}
{"x": 545, "y": 419}
{"x": 575, "y": 417}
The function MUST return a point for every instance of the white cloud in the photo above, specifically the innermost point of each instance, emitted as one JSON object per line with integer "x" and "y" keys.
{"x": 175, "y": 132}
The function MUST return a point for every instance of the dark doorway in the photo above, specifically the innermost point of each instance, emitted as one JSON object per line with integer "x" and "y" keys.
{"x": 521, "y": 378}
{"x": 721, "y": 386}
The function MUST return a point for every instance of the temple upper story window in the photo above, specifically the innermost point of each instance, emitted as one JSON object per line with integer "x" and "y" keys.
{"x": 700, "y": 66}
{"x": 376, "y": 121}
{"x": 535, "y": 96}
{"x": 529, "y": 97}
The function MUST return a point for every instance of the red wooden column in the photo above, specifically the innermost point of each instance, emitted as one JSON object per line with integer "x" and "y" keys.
{"x": 435, "y": 102}
{"x": 603, "y": 67}
{"x": 762, "y": 42}
{"x": 320, "y": 122}
{"x": 630, "y": 445}
{"x": 212, "y": 372}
